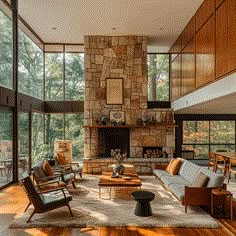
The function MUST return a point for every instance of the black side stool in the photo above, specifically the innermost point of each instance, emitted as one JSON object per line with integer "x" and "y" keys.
{"x": 143, "y": 198}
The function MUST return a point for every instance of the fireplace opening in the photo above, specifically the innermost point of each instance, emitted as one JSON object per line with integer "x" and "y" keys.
{"x": 153, "y": 152}
{"x": 113, "y": 138}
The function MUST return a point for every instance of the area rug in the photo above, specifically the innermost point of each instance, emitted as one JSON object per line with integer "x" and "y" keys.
{"x": 91, "y": 211}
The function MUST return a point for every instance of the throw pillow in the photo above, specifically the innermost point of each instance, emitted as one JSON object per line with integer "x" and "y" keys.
{"x": 175, "y": 165}
{"x": 61, "y": 158}
{"x": 169, "y": 165}
{"x": 201, "y": 180}
{"x": 47, "y": 169}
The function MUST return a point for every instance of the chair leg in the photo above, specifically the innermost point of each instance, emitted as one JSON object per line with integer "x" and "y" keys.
{"x": 186, "y": 206}
{"x": 80, "y": 174}
{"x": 29, "y": 203}
{"x": 70, "y": 210}
{"x": 73, "y": 183}
{"x": 31, "y": 216}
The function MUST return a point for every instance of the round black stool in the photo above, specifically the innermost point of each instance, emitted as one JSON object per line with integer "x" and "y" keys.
{"x": 143, "y": 207}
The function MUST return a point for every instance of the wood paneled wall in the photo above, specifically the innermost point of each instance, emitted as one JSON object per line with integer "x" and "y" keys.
{"x": 206, "y": 49}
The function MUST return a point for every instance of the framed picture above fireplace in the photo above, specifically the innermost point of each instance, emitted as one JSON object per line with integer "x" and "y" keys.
{"x": 114, "y": 91}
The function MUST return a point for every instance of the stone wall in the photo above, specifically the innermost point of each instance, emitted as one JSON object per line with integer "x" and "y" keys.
{"x": 121, "y": 57}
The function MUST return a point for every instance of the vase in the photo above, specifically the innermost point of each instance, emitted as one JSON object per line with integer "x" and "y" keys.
{"x": 118, "y": 169}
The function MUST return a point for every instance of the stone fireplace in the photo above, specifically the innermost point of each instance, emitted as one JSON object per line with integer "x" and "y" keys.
{"x": 121, "y": 57}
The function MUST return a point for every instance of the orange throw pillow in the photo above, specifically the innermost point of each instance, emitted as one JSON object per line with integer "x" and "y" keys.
{"x": 174, "y": 167}
{"x": 61, "y": 158}
{"x": 169, "y": 165}
{"x": 47, "y": 169}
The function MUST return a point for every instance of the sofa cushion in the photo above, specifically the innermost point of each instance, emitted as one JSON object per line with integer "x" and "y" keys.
{"x": 215, "y": 179}
{"x": 188, "y": 170}
{"x": 178, "y": 190}
{"x": 201, "y": 180}
{"x": 173, "y": 179}
{"x": 160, "y": 173}
{"x": 174, "y": 166}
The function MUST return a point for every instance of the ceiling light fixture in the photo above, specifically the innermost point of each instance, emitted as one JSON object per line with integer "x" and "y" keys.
{"x": 54, "y": 28}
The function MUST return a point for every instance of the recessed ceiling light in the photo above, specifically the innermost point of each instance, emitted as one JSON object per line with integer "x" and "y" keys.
{"x": 114, "y": 28}
{"x": 54, "y": 28}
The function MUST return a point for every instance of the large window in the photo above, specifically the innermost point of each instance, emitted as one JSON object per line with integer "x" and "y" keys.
{"x": 54, "y": 76}
{"x": 74, "y": 76}
{"x": 38, "y": 146}
{"x": 158, "y": 77}
{"x": 6, "y": 51}
{"x": 64, "y": 80}
{"x": 6, "y": 154}
{"x": 205, "y": 136}
{"x": 23, "y": 143}
{"x": 75, "y": 132}
{"x": 54, "y": 129}
{"x": 30, "y": 67}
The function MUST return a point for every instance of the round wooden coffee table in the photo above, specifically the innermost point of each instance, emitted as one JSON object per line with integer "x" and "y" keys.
{"x": 143, "y": 207}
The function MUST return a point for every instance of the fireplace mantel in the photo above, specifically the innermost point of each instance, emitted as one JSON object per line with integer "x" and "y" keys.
{"x": 130, "y": 126}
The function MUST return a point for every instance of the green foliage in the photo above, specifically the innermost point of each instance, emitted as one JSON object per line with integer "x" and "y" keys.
{"x": 158, "y": 75}
{"x": 6, "y": 51}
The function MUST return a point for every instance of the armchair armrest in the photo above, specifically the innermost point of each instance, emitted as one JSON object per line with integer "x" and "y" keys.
{"x": 51, "y": 190}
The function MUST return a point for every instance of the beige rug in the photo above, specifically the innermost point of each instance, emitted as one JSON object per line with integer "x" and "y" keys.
{"x": 90, "y": 211}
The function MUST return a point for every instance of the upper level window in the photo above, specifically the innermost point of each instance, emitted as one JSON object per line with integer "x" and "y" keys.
{"x": 30, "y": 67}
{"x": 54, "y": 76}
{"x": 74, "y": 76}
{"x": 158, "y": 77}
{"x": 5, "y": 50}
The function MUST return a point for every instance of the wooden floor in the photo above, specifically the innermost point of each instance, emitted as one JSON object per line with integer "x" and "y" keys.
{"x": 13, "y": 201}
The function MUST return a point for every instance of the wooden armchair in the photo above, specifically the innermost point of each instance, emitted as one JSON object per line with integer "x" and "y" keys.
{"x": 72, "y": 167}
{"x": 221, "y": 163}
{"x": 46, "y": 200}
{"x": 43, "y": 175}
{"x": 232, "y": 168}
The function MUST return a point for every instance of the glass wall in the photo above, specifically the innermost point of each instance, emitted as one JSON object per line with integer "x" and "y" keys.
{"x": 74, "y": 131}
{"x": 205, "y": 136}
{"x": 23, "y": 143}
{"x": 6, "y": 51}
{"x": 54, "y": 77}
{"x": 30, "y": 67}
{"x": 39, "y": 149}
{"x": 74, "y": 76}
{"x": 54, "y": 130}
{"x": 6, "y": 153}
{"x": 158, "y": 77}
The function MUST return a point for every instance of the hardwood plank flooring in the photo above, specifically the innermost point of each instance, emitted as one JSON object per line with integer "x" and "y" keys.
{"x": 13, "y": 201}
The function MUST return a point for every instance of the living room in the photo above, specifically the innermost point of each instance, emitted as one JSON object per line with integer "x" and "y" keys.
{"x": 103, "y": 79}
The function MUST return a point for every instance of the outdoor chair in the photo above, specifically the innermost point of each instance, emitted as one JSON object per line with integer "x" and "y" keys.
{"x": 212, "y": 161}
{"x": 70, "y": 167}
{"x": 44, "y": 174}
{"x": 232, "y": 168}
{"x": 45, "y": 201}
{"x": 221, "y": 163}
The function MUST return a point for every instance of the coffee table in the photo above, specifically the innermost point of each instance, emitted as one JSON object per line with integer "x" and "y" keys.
{"x": 106, "y": 181}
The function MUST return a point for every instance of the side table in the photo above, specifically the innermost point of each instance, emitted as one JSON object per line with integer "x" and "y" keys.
{"x": 143, "y": 207}
{"x": 218, "y": 198}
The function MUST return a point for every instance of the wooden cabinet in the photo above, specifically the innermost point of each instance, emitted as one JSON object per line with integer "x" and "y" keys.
{"x": 226, "y": 38}
{"x": 64, "y": 146}
{"x": 205, "y": 53}
{"x": 188, "y": 68}
{"x": 176, "y": 48}
{"x": 176, "y": 78}
{"x": 218, "y": 2}
{"x": 188, "y": 33}
{"x": 204, "y": 12}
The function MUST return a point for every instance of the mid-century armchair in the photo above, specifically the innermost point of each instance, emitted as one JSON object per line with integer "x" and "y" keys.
{"x": 45, "y": 201}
